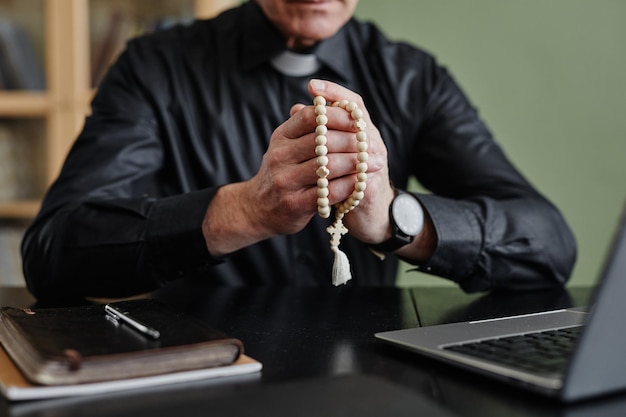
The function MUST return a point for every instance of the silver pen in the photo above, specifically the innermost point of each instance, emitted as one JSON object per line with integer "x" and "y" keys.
{"x": 116, "y": 314}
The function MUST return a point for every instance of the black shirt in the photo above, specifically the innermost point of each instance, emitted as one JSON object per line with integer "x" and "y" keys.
{"x": 187, "y": 110}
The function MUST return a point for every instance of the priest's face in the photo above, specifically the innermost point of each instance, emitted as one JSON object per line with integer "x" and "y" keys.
{"x": 306, "y": 22}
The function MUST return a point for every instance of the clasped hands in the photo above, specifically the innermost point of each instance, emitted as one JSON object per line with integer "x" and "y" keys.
{"x": 282, "y": 197}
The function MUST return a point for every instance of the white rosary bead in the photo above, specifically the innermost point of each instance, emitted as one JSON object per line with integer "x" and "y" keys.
{"x": 323, "y": 202}
{"x": 319, "y": 101}
{"x": 321, "y": 119}
{"x": 359, "y": 124}
{"x": 324, "y": 212}
{"x": 356, "y": 114}
{"x": 322, "y": 160}
{"x": 322, "y": 192}
{"x": 322, "y": 172}
{"x": 357, "y": 195}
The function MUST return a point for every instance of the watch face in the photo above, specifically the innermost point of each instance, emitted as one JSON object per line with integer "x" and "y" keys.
{"x": 407, "y": 214}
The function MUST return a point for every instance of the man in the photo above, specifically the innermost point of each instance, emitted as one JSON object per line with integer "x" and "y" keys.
{"x": 198, "y": 162}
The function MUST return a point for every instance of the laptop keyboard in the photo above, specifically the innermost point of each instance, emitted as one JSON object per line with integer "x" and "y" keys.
{"x": 545, "y": 352}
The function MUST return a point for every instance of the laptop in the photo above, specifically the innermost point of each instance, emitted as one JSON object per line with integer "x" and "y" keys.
{"x": 570, "y": 354}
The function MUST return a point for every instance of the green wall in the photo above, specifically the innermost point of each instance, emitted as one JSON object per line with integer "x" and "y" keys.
{"x": 549, "y": 78}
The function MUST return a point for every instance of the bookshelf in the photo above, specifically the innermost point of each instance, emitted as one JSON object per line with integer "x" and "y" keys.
{"x": 61, "y": 35}
{"x": 38, "y": 123}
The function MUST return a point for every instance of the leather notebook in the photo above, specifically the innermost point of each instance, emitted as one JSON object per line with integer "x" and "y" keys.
{"x": 55, "y": 346}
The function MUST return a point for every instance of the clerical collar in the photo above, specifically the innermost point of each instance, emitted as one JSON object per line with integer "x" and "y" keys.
{"x": 261, "y": 43}
{"x": 295, "y": 64}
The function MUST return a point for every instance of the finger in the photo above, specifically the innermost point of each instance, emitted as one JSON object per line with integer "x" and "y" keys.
{"x": 334, "y": 92}
{"x": 287, "y": 149}
{"x": 339, "y": 165}
{"x": 303, "y": 121}
{"x": 338, "y": 141}
{"x": 296, "y": 108}
{"x": 339, "y": 190}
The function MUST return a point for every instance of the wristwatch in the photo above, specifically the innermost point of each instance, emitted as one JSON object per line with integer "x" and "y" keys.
{"x": 407, "y": 221}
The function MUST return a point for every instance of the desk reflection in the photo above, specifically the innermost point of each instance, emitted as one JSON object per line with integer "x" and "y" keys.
{"x": 300, "y": 331}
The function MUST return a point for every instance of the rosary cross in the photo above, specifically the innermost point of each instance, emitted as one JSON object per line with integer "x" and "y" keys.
{"x": 336, "y": 230}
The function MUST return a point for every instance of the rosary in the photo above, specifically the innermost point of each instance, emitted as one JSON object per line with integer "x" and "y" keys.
{"x": 341, "y": 265}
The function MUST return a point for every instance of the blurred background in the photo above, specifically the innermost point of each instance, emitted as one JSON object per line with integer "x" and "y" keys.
{"x": 547, "y": 76}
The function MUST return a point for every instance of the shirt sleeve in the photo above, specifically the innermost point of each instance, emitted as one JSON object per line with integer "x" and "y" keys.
{"x": 494, "y": 229}
{"x": 105, "y": 228}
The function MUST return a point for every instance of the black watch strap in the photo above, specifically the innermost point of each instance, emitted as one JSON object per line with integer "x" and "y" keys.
{"x": 392, "y": 244}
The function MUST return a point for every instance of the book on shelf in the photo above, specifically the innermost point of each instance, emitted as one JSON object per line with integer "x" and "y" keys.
{"x": 20, "y": 68}
{"x": 109, "y": 46}
{"x": 67, "y": 351}
{"x": 11, "y": 235}
{"x": 17, "y": 161}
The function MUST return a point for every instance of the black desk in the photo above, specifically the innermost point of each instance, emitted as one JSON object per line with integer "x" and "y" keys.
{"x": 317, "y": 349}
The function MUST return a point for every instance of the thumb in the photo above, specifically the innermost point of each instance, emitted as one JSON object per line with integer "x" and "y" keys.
{"x": 333, "y": 92}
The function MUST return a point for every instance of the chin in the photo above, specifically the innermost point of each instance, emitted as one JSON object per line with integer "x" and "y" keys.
{"x": 316, "y": 31}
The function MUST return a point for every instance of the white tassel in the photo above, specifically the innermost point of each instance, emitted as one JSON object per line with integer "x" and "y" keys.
{"x": 341, "y": 268}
